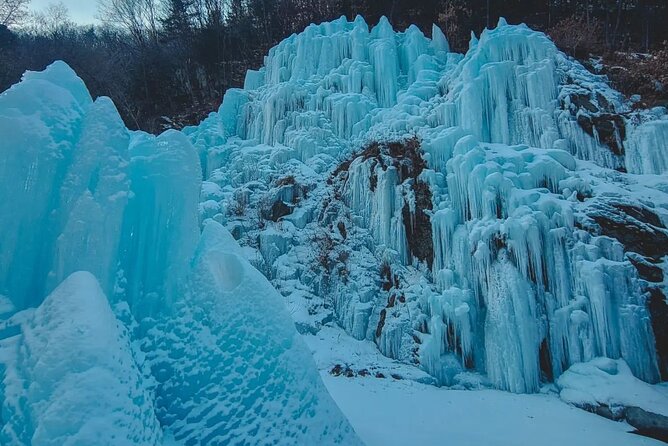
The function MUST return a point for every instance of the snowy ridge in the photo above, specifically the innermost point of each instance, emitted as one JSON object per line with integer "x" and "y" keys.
{"x": 521, "y": 285}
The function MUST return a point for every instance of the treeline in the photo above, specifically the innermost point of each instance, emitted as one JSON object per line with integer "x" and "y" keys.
{"x": 166, "y": 63}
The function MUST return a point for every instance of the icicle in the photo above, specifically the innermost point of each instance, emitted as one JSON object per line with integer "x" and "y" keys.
{"x": 438, "y": 40}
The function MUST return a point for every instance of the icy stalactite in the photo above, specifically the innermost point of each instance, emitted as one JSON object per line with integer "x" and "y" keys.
{"x": 646, "y": 150}
{"x": 511, "y": 329}
{"x": 358, "y": 71}
{"x": 591, "y": 306}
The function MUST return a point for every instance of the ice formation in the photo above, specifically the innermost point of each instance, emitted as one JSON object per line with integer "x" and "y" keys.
{"x": 121, "y": 323}
{"x": 518, "y": 272}
{"x": 498, "y": 214}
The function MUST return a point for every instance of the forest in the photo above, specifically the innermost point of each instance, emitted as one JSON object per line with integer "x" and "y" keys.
{"x": 167, "y": 63}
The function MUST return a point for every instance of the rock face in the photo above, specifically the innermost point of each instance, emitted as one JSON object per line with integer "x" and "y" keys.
{"x": 648, "y": 424}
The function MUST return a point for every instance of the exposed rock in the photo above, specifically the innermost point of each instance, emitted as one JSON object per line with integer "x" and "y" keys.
{"x": 418, "y": 227}
{"x": 278, "y": 209}
{"x": 647, "y": 423}
{"x": 658, "y": 309}
{"x": 608, "y": 127}
{"x": 646, "y": 269}
{"x": 381, "y": 322}
{"x": 635, "y": 226}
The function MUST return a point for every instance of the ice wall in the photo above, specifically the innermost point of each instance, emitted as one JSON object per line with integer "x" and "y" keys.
{"x": 519, "y": 143}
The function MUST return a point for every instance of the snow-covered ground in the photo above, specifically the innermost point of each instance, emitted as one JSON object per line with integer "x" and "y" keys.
{"x": 387, "y": 412}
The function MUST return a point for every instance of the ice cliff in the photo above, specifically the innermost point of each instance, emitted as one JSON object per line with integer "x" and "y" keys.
{"x": 494, "y": 217}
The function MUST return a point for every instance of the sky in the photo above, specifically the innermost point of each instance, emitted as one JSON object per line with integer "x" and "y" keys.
{"x": 81, "y": 11}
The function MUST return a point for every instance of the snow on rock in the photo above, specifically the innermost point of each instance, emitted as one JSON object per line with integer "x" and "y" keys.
{"x": 609, "y": 382}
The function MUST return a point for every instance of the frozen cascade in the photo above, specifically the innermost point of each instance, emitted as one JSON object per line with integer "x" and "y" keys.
{"x": 506, "y": 132}
{"x": 460, "y": 211}
{"x": 643, "y": 151}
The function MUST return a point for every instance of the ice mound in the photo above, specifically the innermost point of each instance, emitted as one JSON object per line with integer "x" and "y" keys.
{"x": 239, "y": 372}
{"x": 149, "y": 330}
{"x": 71, "y": 377}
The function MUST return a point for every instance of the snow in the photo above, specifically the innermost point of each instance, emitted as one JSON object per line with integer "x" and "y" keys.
{"x": 609, "y": 382}
{"x": 400, "y": 412}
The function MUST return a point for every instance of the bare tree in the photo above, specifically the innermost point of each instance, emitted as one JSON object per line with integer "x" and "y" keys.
{"x": 138, "y": 17}
{"x": 13, "y": 12}
{"x": 55, "y": 17}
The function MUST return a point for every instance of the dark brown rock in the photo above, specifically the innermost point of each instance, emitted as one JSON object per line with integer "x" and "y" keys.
{"x": 647, "y": 423}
